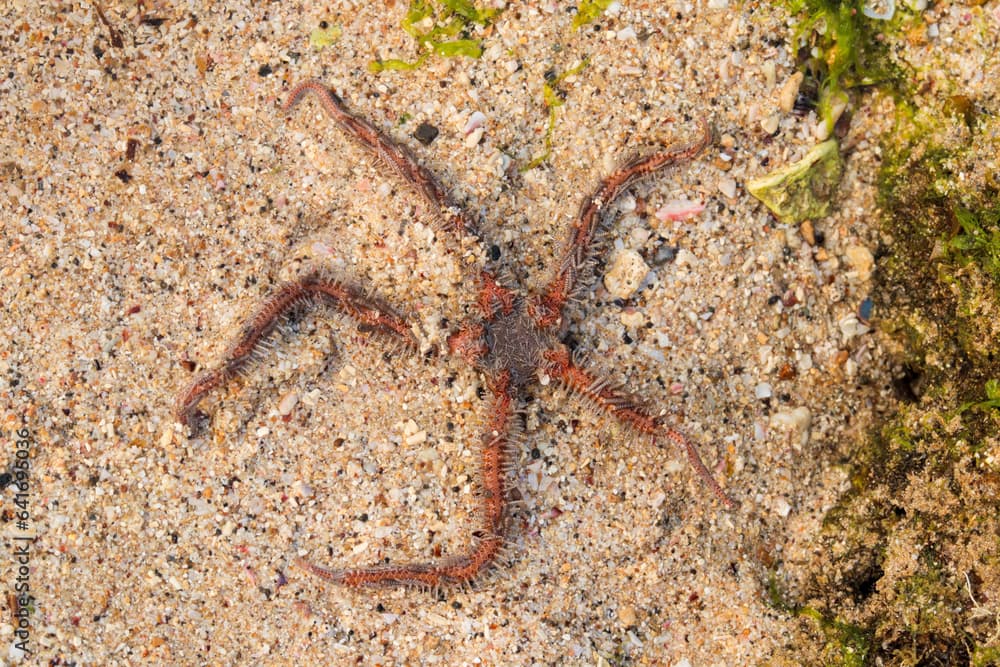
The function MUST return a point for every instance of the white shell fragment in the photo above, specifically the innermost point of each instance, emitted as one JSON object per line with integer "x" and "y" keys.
{"x": 789, "y": 91}
{"x": 287, "y": 403}
{"x": 880, "y": 10}
{"x": 626, "y": 274}
{"x": 797, "y": 420}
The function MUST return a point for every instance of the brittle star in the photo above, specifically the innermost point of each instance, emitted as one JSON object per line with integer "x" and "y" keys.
{"x": 511, "y": 339}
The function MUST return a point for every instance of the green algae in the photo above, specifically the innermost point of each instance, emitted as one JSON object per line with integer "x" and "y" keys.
{"x": 553, "y": 98}
{"x": 587, "y": 12}
{"x": 902, "y": 547}
{"x": 992, "y": 402}
{"x": 978, "y": 239}
{"x": 910, "y": 554}
{"x": 844, "y": 643}
{"x": 843, "y": 49}
{"x": 436, "y": 27}
{"x": 325, "y": 35}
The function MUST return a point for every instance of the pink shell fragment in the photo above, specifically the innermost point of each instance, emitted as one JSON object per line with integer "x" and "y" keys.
{"x": 679, "y": 209}
{"x": 476, "y": 120}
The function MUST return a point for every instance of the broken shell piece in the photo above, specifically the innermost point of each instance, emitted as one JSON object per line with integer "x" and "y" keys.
{"x": 830, "y": 110}
{"x": 476, "y": 121}
{"x": 880, "y": 10}
{"x": 798, "y": 421}
{"x": 861, "y": 261}
{"x": 803, "y": 189}
{"x": 474, "y": 137}
{"x": 287, "y": 403}
{"x": 679, "y": 209}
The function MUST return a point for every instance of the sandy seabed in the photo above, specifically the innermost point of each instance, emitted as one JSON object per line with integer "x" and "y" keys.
{"x": 153, "y": 193}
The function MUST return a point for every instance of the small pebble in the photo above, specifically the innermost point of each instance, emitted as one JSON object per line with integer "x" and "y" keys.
{"x": 782, "y": 508}
{"x": 474, "y": 137}
{"x": 808, "y": 232}
{"x": 476, "y": 121}
{"x": 287, "y": 403}
{"x": 865, "y": 310}
{"x": 790, "y": 91}
{"x": 880, "y": 10}
{"x": 679, "y": 209}
{"x": 627, "y": 615}
{"x": 664, "y": 255}
{"x": 425, "y": 133}
{"x": 850, "y": 327}
{"x": 770, "y": 124}
{"x": 861, "y": 261}
{"x": 412, "y": 434}
{"x": 428, "y": 454}
{"x": 722, "y": 162}
{"x": 301, "y": 489}
{"x": 686, "y": 258}
{"x": 763, "y": 390}
{"x": 770, "y": 75}
{"x": 626, "y": 274}
{"x": 727, "y": 186}
{"x": 633, "y": 318}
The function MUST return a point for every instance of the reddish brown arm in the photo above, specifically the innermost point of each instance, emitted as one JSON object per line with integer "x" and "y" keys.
{"x": 612, "y": 401}
{"x": 546, "y": 308}
{"x": 310, "y": 288}
{"x": 489, "y": 540}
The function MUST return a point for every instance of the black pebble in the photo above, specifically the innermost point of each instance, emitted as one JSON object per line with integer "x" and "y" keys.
{"x": 426, "y": 133}
{"x": 664, "y": 255}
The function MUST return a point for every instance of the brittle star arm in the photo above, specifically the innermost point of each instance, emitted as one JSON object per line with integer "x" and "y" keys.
{"x": 384, "y": 149}
{"x": 584, "y": 239}
{"x": 312, "y": 287}
{"x": 492, "y": 490}
{"x": 614, "y": 402}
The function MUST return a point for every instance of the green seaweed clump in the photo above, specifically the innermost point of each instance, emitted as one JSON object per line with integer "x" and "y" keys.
{"x": 842, "y": 49}
{"x": 437, "y": 30}
{"x": 803, "y": 189}
{"x": 978, "y": 239}
{"x": 587, "y": 12}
